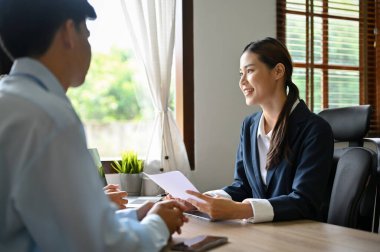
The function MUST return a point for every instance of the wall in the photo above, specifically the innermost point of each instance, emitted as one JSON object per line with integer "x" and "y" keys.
{"x": 221, "y": 30}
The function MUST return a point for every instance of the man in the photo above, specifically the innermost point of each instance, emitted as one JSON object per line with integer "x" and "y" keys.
{"x": 51, "y": 196}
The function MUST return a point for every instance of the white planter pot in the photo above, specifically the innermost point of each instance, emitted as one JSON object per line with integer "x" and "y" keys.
{"x": 113, "y": 178}
{"x": 149, "y": 188}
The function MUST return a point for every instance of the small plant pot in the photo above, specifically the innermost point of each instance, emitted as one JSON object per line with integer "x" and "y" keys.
{"x": 113, "y": 178}
{"x": 131, "y": 183}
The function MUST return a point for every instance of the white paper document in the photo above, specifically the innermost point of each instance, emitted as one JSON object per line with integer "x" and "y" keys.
{"x": 175, "y": 183}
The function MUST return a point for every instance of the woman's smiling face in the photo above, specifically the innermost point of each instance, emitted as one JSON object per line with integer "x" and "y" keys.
{"x": 257, "y": 81}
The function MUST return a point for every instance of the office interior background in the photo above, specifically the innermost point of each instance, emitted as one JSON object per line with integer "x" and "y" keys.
{"x": 221, "y": 29}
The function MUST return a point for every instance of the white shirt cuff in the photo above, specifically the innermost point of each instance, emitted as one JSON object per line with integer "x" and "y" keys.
{"x": 220, "y": 193}
{"x": 262, "y": 210}
{"x": 127, "y": 213}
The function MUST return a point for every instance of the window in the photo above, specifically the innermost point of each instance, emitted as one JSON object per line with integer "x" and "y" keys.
{"x": 111, "y": 103}
{"x": 332, "y": 46}
{"x": 107, "y": 101}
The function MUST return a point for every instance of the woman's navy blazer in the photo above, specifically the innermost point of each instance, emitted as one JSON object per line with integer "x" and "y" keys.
{"x": 296, "y": 188}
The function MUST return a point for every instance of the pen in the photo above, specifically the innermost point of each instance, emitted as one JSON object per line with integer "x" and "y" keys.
{"x": 162, "y": 195}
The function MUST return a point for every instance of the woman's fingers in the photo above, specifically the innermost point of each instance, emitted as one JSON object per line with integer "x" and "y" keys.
{"x": 200, "y": 204}
{"x": 199, "y": 195}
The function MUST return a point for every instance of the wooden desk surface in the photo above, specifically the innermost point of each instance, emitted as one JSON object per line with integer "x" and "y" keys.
{"x": 292, "y": 236}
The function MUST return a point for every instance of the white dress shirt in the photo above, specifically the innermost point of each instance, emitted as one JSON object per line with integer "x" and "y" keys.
{"x": 262, "y": 209}
{"x": 51, "y": 196}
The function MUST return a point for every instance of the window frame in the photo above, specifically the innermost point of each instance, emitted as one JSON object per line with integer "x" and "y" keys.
{"x": 368, "y": 54}
{"x": 184, "y": 59}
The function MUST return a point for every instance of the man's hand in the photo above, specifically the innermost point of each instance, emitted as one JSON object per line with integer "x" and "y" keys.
{"x": 143, "y": 210}
{"x": 115, "y": 195}
{"x": 188, "y": 205}
{"x": 172, "y": 213}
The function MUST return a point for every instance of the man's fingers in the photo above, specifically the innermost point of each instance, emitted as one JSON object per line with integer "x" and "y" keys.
{"x": 111, "y": 186}
{"x": 122, "y": 206}
{"x": 124, "y": 201}
{"x": 120, "y": 201}
{"x": 120, "y": 194}
{"x": 173, "y": 203}
{"x": 179, "y": 230}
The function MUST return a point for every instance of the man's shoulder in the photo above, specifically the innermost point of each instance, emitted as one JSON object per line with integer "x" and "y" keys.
{"x": 36, "y": 105}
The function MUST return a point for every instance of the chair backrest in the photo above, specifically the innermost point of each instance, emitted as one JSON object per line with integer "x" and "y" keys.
{"x": 352, "y": 196}
{"x": 350, "y": 124}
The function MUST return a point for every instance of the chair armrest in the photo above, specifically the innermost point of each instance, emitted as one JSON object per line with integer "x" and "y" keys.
{"x": 376, "y": 142}
{"x": 376, "y": 217}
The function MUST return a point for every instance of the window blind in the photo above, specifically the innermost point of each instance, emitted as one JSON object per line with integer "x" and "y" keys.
{"x": 332, "y": 46}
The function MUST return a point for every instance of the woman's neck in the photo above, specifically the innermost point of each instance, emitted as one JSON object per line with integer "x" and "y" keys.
{"x": 271, "y": 111}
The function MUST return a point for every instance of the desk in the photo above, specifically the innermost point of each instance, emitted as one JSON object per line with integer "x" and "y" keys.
{"x": 292, "y": 236}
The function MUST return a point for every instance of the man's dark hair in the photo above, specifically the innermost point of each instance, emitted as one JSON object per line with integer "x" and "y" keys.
{"x": 5, "y": 63}
{"x": 27, "y": 27}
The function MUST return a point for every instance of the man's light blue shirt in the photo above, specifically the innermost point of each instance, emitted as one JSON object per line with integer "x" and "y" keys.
{"x": 51, "y": 197}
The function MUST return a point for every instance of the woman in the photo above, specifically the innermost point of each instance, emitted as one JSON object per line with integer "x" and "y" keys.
{"x": 285, "y": 152}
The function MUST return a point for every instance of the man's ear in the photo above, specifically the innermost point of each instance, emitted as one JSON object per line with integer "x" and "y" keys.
{"x": 279, "y": 71}
{"x": 68, "y": 33}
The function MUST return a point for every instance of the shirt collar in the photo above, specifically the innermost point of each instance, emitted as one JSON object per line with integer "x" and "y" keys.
{"x": 37, "y": 69}
{"x": 261, "y": 131}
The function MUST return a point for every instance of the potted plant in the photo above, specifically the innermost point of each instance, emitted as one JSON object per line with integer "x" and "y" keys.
{"x": 128, "y": 171}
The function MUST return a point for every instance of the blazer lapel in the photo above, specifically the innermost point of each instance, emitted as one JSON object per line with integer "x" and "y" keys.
{"x": 255, "y": 156}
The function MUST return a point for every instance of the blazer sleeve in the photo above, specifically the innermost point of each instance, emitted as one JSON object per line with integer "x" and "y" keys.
{"x": 240, "y": 189}
{"x": 313, "y": 165}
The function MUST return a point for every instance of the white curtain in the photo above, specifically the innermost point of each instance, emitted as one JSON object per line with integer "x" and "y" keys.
{"x": 151, "y": 25}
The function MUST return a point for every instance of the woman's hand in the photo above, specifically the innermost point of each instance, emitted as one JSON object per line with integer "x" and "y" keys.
{"x": 115, "y": 195}
{"x": 219, "y": 208}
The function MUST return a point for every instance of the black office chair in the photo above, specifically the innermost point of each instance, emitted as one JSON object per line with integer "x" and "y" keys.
{"x": 349, "y": 124}
{"x": 376, "y": 217}
{"x": 353, "y": 192}
{"x": 352, "y": 182}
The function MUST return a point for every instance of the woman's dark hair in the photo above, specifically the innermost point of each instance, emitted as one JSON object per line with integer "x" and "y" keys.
{"x": 27, "y": 27}
{"x": 270, "y": 51}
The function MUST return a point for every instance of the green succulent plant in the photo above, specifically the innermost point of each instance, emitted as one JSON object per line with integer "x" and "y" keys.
{"x": 129, "y": 163}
